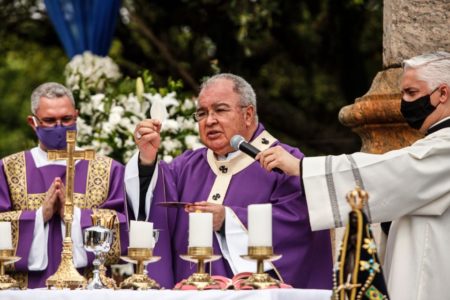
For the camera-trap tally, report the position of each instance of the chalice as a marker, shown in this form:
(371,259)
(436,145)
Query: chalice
(97,239)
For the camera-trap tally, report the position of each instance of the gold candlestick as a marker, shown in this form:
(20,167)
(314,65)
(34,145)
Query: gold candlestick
(261,280)
(67,275)
(7,257)
(200,256)
(140,281)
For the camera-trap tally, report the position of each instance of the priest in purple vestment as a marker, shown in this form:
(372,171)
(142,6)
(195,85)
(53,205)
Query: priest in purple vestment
(32,192)
(223,181)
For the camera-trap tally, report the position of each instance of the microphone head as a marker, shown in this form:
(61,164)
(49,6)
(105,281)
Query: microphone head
(236,140)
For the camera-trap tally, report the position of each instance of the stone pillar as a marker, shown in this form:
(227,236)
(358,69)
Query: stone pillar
(410,28)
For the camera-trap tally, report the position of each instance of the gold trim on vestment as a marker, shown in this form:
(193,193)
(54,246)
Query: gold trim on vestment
(15,170)
(13,217)
(97,185)
(97,190)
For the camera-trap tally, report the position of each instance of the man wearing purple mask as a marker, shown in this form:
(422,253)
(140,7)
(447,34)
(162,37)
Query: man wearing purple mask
(32,192)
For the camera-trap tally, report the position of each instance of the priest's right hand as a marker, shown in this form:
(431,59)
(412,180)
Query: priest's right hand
(147,138)
(52,198)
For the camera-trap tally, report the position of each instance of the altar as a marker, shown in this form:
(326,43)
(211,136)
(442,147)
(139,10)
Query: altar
(268,294)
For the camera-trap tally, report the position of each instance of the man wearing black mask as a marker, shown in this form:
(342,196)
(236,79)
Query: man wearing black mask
(409,186)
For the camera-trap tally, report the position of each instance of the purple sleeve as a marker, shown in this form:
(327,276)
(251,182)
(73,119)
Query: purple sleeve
(22,223)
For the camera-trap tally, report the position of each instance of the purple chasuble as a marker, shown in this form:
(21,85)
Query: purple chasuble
(92,187)
(163,219)
(307,257)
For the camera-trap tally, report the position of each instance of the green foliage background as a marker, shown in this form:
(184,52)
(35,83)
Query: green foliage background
(305,58)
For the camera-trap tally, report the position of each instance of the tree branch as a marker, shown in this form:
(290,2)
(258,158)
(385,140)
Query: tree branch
(163,49)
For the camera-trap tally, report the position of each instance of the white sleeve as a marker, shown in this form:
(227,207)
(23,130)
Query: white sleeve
(79,254)
(235,243)
(132,185)
(398,183)
(38,258)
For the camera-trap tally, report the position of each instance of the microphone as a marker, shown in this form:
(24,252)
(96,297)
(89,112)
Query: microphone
(239,143)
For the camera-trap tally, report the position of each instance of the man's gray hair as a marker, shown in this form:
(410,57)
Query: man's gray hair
(241,87)
(49,90)
(433,68)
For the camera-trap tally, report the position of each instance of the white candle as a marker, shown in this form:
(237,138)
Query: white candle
(260,225)
(141,234)
(200,229)
(5,236)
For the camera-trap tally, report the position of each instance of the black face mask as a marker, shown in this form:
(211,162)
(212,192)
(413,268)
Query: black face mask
(415,112)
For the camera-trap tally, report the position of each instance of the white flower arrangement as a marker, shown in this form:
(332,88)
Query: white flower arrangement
(111,107)
(90,73)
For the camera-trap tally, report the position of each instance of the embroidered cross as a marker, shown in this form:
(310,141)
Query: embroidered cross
(264,141)
(216,197)
(223,169)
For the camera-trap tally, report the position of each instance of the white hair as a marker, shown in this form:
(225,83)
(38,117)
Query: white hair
(433,68)
(245,91)
(50,90)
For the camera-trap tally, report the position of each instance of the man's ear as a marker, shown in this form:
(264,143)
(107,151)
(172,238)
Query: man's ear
(249,115)
(444,93)
(31,120)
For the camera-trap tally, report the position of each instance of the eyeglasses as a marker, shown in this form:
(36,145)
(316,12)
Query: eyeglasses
(218,112)
(52,122)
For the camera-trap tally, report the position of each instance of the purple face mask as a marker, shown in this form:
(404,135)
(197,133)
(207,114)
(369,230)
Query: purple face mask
(54,138)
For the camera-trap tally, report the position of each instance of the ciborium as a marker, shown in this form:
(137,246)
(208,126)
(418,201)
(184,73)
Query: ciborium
(7,257)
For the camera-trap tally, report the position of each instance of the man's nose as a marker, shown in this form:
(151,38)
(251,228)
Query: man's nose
(211,117)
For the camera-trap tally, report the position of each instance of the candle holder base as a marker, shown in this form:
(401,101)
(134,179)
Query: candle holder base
(198,280)
(261,280)
(140,281)
(7,257)
(66,275)
(199,255)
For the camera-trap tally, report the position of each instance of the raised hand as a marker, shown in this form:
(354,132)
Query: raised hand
(147,138)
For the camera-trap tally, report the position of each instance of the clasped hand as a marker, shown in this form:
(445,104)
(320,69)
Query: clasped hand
(54,200)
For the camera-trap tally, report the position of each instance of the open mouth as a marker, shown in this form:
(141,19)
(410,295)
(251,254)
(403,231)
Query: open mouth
(213,134)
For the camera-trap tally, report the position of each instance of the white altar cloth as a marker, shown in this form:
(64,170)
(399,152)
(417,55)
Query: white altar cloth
(272,294)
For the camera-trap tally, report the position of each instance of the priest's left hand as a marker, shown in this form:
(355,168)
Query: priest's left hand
(217,210)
